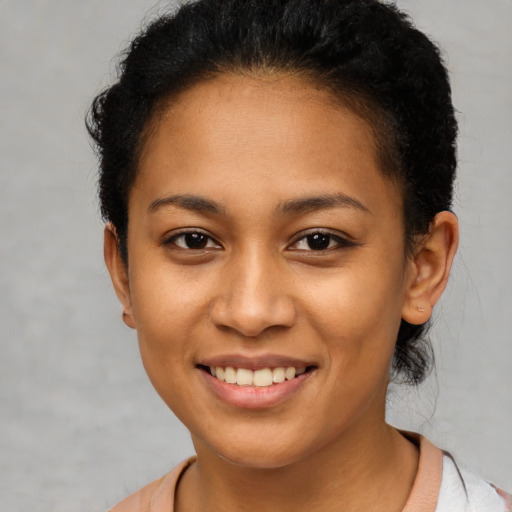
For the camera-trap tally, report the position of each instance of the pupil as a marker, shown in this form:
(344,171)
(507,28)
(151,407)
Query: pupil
(318,241)
(196,240)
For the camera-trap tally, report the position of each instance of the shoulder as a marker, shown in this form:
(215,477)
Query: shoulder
(462,490)
(139,501)
(158,496)
(442,486)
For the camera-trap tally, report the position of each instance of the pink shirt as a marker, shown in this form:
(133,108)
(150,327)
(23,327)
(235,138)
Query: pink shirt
(439,487)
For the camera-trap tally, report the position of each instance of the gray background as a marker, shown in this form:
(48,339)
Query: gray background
(80,425)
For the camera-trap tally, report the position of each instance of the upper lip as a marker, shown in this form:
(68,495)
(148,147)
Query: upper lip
(255,362)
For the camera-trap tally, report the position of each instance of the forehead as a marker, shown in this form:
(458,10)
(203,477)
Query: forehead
(253,104)
(257,132)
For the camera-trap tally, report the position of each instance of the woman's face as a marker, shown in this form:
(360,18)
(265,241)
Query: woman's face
(264,238)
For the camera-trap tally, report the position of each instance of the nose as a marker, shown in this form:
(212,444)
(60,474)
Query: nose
(253,297)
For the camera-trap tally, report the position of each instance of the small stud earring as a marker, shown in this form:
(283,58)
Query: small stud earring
(420,309)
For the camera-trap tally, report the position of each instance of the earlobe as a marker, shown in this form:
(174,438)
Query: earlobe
(118,273)
(430,267)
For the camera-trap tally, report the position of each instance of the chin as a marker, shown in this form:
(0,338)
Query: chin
(259,450)
(258,459)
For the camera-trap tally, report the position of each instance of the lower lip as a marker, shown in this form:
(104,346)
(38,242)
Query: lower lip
(253,397)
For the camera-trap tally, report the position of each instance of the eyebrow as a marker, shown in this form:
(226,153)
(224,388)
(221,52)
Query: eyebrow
(188,202)
(295,206)
(313,203)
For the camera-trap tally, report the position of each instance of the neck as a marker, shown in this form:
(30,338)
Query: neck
(359,471)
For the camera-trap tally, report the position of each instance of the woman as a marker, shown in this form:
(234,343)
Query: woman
(277,179)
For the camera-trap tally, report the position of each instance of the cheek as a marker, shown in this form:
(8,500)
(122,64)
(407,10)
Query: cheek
(168,310)
(167,318)
(357,321)
(163,295)
(358,314)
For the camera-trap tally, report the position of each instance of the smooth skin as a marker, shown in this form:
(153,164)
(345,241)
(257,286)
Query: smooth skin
(239,179)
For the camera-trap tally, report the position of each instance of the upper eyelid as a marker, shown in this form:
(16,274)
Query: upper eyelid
(342,242)
(327,232)
(167,238)
(184,231)
(339,236)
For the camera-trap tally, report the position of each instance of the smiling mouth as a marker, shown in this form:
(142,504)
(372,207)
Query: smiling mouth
(264,377)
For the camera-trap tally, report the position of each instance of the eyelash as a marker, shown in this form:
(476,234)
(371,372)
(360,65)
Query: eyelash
(172,240)
(340,242)
(307,238)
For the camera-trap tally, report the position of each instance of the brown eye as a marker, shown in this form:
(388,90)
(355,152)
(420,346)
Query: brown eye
(321,241)
(193,240)
(318,241)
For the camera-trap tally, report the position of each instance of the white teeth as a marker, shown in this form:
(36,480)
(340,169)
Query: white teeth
(219,372)
(278,375)
(260,378)
(230,375)
(244,377)
(290,373)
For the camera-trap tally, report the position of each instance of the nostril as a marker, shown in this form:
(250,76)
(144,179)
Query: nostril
(252,315)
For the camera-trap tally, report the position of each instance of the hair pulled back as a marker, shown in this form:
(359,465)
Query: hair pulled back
(367,53)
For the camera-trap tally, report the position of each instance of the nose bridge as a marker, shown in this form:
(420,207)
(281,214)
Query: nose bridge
(253,295)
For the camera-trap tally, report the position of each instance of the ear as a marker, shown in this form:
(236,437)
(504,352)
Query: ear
(118,273)
(429,269)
